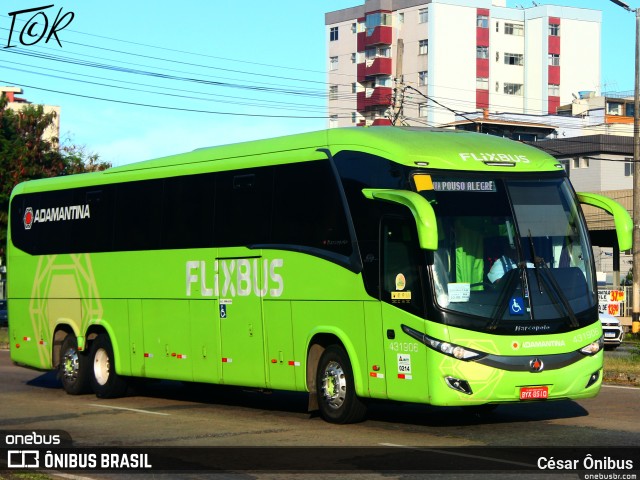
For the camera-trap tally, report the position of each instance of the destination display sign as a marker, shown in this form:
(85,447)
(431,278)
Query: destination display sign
(456,185)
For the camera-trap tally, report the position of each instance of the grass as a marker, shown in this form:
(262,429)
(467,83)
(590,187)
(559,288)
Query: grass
(624,370)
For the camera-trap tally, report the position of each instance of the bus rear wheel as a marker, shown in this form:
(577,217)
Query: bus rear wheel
(74,369)
(337,397)
(105,381)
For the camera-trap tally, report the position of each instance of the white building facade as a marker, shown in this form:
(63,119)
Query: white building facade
(418,61)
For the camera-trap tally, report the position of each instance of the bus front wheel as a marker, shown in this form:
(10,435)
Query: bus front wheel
(337,397)
(74,368)
(105,381)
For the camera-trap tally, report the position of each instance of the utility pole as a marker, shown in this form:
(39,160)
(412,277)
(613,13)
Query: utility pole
(398,88)
(635,249)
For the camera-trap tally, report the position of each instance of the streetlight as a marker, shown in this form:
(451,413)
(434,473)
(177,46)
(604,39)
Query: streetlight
(635,249)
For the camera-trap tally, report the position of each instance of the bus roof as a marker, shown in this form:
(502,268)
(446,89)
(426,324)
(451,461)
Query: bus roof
(412,146)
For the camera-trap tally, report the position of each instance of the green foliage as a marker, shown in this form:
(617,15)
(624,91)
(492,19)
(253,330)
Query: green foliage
(26,153)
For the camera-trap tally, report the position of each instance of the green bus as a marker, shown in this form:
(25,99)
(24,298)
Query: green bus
(418,265)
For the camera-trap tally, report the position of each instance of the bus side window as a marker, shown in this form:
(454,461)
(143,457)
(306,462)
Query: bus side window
(401,260)
(243,207)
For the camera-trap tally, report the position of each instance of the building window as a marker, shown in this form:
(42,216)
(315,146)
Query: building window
(482,21)
(423,15)
(422,78)
(354,87)
(354,27)
(482,83)
(575,162)
(333,92)
(354,58)
(400,17)
(333,34)
(374,20)
(497,27)
(333,63)
(513,88)
(354,117)
(382,81)
(614,108)
(423,47)
(628,167)
(482,52)
(514,59)
(514,29)
(422,109)
(554,59)
(554,29)
(333,121)
(554,90)
(579,162)
(375,52)
(628,109)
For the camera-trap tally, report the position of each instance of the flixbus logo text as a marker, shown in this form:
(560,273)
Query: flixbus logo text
(493,157)
(235,278)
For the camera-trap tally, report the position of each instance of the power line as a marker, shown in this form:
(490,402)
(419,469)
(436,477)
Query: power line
(164,107)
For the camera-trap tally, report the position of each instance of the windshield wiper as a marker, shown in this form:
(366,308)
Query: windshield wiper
(501,304)
(536,262)
(573,320)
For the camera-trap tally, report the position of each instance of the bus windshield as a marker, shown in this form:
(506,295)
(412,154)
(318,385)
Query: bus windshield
(510,250)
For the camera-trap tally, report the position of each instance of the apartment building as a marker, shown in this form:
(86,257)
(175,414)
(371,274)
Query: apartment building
(419,61)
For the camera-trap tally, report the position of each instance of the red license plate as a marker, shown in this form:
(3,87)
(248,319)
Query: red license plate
(534,393)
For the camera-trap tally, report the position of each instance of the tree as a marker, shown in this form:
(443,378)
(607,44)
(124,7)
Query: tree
(27,154)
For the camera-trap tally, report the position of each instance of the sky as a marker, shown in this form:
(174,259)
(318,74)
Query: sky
(140,79)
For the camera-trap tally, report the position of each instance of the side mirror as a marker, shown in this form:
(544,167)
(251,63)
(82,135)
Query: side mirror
(621,218)
(420,208)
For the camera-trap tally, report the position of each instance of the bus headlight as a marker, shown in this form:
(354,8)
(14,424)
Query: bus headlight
(593,347)
(446,348)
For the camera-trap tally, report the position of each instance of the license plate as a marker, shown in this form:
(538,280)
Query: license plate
(534,393)
(609,334)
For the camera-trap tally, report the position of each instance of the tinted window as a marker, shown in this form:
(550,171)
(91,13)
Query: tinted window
(296,205)
(308,209)
(138,215)
(188,211)
(243,207)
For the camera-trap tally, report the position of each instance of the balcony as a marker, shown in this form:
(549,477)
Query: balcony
(375,66)
(554,74)
(382,34)
(374,97)
(375,121)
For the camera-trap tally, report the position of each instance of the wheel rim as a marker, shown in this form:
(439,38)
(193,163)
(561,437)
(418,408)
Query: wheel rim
(70,365)
(334,385)
(101,366)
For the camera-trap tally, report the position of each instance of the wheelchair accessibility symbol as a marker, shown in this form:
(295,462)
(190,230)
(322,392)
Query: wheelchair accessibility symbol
(516,306)
(223,311)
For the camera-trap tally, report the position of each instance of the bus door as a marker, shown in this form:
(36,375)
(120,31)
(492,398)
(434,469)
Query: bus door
(402,278)
(240,312)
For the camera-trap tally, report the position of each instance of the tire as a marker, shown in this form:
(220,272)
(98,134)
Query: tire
(105,381)
(74,369)
(336,391)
